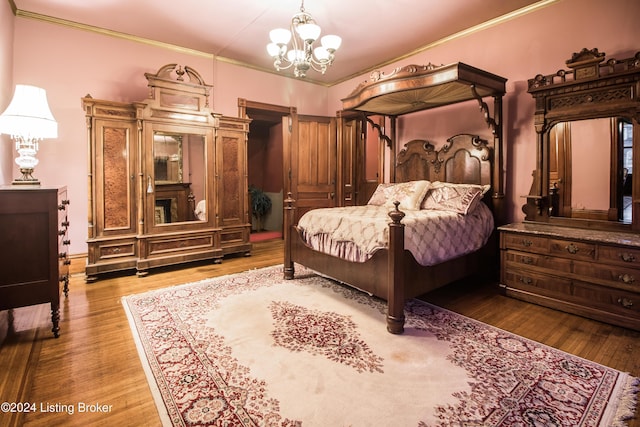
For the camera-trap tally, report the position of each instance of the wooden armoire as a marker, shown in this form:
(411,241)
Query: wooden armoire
(167,178)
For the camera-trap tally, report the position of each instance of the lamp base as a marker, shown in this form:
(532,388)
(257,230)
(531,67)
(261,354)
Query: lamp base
(26,178)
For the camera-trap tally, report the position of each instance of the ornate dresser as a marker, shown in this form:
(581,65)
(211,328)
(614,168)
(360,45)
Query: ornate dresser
(581,271)
(578,249)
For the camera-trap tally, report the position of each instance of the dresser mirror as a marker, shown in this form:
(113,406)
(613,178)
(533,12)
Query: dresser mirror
(586,121)
(179,184)
(591,169)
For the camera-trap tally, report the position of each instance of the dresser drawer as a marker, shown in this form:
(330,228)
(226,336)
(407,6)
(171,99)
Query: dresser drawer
(627,257)
(525,242)
(609,275)
(102,251)
(524,260)
(537,283)
(571,249)
(162,245)
(612,300)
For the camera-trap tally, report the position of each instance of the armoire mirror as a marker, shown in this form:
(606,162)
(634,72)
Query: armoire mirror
(587,125)
(591,169)
(179,177)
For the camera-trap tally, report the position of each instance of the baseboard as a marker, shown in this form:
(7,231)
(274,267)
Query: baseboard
(78,264)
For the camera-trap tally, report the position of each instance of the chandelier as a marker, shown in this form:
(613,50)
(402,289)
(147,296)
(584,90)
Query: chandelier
(302,55)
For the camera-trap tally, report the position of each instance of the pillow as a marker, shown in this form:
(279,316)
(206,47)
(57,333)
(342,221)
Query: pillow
(201,210)
(379,197)
(409,194)
(460,198)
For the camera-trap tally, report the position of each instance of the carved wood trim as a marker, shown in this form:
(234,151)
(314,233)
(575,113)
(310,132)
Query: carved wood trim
(592,87)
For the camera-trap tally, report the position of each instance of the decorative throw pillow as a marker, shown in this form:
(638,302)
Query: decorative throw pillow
(460,198)
(379,197)
(409,194)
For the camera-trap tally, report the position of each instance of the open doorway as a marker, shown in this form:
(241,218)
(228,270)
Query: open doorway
(265,168)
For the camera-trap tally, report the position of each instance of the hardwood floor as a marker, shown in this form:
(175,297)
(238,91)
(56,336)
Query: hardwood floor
(95,359)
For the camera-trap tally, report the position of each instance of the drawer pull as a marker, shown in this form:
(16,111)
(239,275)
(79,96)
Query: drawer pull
(527,260)
(526,242)
(62,255)
(625,302)
(572,249)
(626,278)
(66,242)
(627,257)
(526,280)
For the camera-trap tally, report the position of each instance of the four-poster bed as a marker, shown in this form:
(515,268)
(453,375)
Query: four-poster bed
(388,268)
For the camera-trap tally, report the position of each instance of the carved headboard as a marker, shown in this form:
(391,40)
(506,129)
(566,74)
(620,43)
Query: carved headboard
(464,158)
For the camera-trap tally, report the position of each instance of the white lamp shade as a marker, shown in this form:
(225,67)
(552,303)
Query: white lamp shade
(308,32)
(28,115)
(280,36)
(321,53)
(273,49)
(331,42)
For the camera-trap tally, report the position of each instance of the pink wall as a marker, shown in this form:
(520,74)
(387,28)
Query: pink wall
(71,63)
(6,87)
(537,43)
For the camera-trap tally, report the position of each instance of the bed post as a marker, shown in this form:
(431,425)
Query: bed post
(395,291)
(289,213)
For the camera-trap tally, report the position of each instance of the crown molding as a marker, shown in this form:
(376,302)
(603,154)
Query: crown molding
(98,30)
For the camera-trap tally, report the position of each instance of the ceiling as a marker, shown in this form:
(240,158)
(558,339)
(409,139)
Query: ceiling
(374,32)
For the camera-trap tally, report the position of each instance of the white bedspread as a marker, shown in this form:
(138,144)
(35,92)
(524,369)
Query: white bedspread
(432,236)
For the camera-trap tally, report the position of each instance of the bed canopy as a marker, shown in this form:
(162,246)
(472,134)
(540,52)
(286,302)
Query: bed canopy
(414,88)
(420,87)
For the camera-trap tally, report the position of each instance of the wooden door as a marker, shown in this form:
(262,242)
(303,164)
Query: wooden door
(349,139)
(312,147)
(231,166)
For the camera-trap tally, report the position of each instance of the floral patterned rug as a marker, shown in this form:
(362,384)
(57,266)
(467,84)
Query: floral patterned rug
(253,349)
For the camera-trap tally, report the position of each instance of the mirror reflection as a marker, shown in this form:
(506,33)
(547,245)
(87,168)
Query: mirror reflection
(591,169)
(179,177)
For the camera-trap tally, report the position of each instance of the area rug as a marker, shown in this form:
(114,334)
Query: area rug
(253,349)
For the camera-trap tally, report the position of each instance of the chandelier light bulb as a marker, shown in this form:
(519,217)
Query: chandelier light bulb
(321,53)
(331,42)
(295,55)
(273,49)
(308,32)
(280,36)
